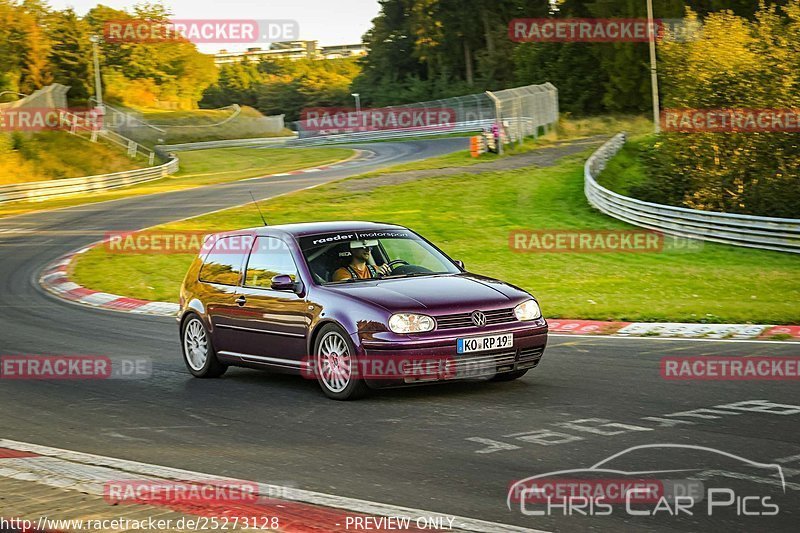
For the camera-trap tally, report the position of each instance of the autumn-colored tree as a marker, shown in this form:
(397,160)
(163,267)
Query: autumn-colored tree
(732,63)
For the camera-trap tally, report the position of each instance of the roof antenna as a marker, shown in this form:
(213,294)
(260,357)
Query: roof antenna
(259,209)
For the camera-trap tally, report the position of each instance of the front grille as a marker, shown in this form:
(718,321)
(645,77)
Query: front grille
(530,357)
(464,320)
(529,354)
(492,359)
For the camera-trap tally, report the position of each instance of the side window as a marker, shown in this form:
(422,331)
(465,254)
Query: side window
(223,264)
(270,257)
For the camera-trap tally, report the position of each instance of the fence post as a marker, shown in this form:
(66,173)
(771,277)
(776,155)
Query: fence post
(498,117)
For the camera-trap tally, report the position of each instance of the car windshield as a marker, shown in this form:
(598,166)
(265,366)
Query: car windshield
(352,256)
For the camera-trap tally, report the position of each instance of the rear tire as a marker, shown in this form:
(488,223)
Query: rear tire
(510,376)
(198,351)
(335,365)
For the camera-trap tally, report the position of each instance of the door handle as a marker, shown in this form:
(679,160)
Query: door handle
(241,300)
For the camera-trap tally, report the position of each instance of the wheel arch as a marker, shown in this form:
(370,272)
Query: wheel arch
(312,337)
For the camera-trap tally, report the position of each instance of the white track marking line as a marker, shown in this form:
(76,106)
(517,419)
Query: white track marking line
(91,462)
(354,158)
(796,343)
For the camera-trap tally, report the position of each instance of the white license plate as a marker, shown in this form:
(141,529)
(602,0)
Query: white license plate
(483,344)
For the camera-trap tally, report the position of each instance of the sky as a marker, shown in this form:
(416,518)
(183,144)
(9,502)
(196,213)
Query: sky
(327,21)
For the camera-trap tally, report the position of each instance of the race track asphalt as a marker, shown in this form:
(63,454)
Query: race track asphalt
(454,448)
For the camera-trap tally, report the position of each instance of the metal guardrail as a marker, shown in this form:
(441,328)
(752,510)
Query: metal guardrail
(227,143)
(780,234)
(43,190)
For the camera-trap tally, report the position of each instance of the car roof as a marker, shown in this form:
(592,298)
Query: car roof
(313,228)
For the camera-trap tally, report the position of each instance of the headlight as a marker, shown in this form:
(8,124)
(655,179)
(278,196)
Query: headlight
(410,323)
(528,310)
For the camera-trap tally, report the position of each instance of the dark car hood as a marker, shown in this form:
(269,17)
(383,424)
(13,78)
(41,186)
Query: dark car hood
(446,293)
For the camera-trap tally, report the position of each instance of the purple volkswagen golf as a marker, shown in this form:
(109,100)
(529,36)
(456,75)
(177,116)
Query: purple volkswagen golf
(354,305)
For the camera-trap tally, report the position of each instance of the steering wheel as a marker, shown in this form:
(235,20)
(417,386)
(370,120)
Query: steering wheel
(397,262)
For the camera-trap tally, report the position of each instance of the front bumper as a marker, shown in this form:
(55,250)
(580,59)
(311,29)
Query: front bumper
(530,340)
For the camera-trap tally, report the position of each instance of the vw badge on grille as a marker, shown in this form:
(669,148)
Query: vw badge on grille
(478,318)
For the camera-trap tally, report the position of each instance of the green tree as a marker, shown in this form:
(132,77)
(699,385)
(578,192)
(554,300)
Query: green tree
(70,53)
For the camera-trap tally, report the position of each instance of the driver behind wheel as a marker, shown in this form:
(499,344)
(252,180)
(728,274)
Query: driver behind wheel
(361,265)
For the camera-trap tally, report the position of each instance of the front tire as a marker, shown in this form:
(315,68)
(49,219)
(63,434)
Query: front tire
(198,352)
(335,365)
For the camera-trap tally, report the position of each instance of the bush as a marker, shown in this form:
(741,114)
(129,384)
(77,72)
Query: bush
(734,63)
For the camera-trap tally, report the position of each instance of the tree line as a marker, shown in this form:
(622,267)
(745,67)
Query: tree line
(40,45)
(430,49)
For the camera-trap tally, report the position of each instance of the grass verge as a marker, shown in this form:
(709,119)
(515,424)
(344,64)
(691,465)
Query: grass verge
(52,155)
(470,217)
(625,170)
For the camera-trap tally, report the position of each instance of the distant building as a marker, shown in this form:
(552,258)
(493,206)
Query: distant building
(291,50)
(344,50)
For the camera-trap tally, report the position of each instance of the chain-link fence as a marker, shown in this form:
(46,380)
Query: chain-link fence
(525,111)
(231,122)
(518,112)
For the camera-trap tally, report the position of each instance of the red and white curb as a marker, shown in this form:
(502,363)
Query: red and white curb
(55,280)
(672,329)
(297,510)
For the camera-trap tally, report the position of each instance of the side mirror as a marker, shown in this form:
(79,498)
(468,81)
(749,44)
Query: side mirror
(282,282)
(460,264)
